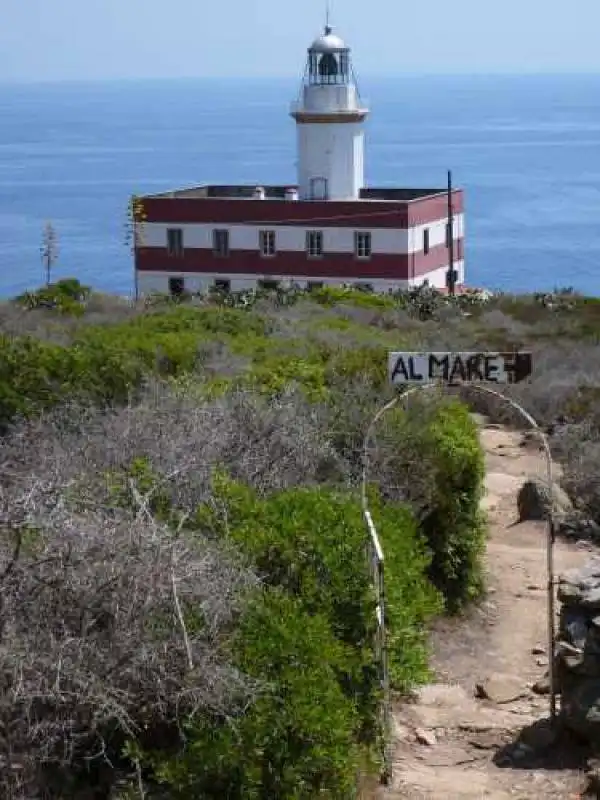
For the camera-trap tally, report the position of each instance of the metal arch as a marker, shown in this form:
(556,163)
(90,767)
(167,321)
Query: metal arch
(550,532)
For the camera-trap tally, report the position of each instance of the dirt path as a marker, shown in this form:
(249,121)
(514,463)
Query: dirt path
(450,745)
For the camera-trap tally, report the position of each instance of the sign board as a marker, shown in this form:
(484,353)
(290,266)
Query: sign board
(454,368)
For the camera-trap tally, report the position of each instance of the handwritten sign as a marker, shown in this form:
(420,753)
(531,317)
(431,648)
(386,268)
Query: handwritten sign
(453,368)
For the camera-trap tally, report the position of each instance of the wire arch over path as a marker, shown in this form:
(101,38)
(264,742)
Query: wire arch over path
(400,398)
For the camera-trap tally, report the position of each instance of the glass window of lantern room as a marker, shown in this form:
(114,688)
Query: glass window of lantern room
(344,65)
(314,67)
(328,68)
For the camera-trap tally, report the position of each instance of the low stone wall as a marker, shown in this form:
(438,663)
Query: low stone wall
(577,661)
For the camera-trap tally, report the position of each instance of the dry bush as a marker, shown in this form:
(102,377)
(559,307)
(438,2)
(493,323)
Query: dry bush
(106,309)
(396,463)
(109,622)
(38,322)
(268,444)
(578,449)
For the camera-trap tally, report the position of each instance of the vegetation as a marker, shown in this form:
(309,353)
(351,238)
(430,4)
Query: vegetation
(187,609)
(49,250)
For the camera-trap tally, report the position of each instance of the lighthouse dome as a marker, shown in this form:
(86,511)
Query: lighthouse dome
(328,42)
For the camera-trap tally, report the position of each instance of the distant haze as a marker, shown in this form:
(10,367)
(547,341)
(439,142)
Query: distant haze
(105,39)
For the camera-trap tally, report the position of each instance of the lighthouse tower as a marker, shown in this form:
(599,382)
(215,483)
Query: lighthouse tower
(329,121)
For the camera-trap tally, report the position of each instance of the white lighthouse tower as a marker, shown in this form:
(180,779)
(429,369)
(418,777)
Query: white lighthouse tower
(329,121)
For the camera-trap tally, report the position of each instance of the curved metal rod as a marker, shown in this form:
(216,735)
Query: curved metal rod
(550,533)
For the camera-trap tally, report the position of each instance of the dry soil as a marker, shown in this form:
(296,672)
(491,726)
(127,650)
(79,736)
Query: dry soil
(450,744)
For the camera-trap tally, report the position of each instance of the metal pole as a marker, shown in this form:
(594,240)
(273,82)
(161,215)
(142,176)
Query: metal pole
(451,281)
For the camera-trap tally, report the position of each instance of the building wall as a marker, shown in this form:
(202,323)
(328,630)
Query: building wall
(397,230)
(327,98)
(158,281)
(342,214)
(291,238)
(334,151)
(386,266)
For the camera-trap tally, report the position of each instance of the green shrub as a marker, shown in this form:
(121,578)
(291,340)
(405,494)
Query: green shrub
(274,374)
(366,362)
(105,362)
(296,741)
(410,599)
(311,542)
(330,296)
(66,296)
(455,526)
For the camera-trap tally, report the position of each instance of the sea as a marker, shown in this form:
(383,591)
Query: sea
(526,149)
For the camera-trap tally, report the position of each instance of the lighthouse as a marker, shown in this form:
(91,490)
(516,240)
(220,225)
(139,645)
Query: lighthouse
(330,124)
(326,229)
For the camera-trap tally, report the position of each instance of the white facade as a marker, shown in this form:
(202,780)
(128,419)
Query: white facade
(158,282)
(330,160)
(292,238)
(330,125)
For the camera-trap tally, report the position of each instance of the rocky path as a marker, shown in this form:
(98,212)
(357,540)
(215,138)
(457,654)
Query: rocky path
(481,731)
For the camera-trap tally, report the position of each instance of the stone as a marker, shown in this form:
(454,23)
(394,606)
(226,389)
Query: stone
(540,736)
(425,737)
(500,689)
(542,686)
(574,525)
(581,709)
(584,596)
(538,650)
(536,499)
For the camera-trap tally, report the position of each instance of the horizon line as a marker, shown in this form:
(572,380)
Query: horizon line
(285,78)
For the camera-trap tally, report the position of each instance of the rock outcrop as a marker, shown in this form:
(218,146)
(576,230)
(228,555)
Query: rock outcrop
(577,662)
(536,499)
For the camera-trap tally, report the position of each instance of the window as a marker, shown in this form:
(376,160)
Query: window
(362,245)
(426,241)
(223,286)
(221,243)
(314,243)
(363,287)
(266,242)
(312,286)
(176,287)
(175,242)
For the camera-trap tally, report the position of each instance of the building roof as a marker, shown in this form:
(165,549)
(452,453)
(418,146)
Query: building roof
(328,42)
(246,192)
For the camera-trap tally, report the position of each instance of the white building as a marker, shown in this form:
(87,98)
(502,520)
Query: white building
(327,228)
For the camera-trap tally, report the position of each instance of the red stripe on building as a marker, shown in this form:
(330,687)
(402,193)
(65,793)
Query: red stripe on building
(356,214)
(430,209)
(297,263)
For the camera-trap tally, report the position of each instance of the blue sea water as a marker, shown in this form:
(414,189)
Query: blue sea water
(525,148)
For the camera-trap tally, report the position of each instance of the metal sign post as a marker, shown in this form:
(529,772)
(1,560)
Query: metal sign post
(419,371)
